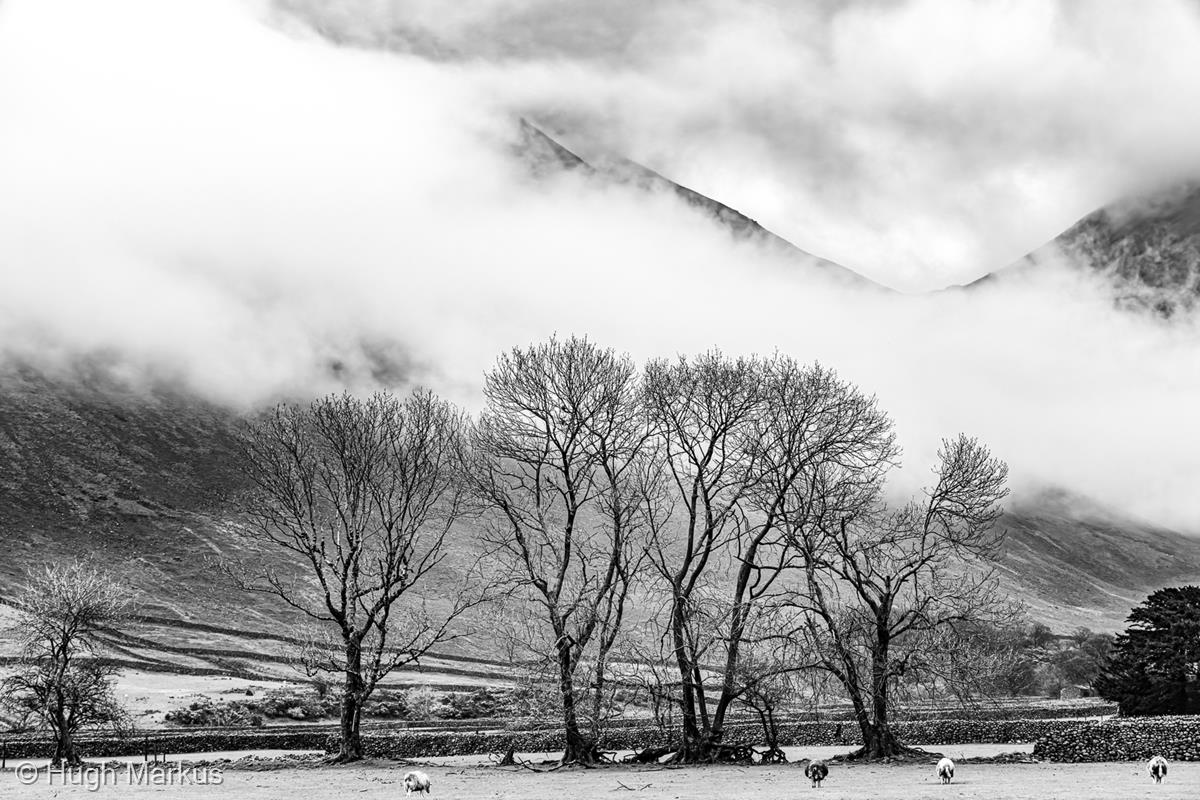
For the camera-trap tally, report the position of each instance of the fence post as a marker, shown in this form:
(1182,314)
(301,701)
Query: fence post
(145,748)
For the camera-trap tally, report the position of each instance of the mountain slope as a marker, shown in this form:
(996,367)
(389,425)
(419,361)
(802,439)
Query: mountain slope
(1077,563)
(545,156)
(1147,248)
(144,481)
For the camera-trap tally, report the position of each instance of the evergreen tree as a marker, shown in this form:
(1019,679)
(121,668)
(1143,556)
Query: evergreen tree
(1154,666)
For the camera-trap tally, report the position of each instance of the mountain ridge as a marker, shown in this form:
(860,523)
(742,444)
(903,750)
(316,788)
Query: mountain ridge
(545,155)
(1145,247)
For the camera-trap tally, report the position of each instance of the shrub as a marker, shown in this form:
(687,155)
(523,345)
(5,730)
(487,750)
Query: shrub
(420,701)
(482,702)
(204,713)
(387,705)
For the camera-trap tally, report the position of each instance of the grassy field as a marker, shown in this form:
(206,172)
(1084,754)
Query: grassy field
(464,782)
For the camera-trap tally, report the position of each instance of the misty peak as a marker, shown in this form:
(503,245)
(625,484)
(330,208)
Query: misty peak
(544,156)
(1146,247)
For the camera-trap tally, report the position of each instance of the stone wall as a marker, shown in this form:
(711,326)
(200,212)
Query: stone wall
(1132,739)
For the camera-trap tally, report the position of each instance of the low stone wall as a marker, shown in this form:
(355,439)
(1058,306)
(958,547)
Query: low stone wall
(165,743)
(797,734)
(1132,739)
(1069,740)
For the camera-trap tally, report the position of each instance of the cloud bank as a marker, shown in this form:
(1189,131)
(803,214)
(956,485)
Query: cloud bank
(919,142)
(268,200)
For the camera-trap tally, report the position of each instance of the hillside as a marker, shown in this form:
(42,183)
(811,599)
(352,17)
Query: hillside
(1146,247)
(144,480)
(545,156)
(1077,563)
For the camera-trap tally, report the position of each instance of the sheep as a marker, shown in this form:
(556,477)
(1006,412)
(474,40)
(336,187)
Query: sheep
(416,781)
(945,770)
(1158,768)
(816,772)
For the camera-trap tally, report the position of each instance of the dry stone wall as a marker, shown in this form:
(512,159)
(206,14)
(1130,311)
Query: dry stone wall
(1132,739)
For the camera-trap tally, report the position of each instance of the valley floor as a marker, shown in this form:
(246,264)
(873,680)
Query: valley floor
(372,781)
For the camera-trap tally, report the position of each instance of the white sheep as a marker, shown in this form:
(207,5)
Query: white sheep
(945,770)
(1158,768)
(816,772)
(416,781)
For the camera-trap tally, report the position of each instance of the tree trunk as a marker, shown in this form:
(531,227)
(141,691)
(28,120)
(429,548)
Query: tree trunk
(737,628)
(693,740)
(351,746)
(878,739)
(770,726)
(65,753)
(598,712)
(580,749)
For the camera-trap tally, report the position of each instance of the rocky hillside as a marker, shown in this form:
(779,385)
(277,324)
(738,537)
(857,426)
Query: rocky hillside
(1147,248)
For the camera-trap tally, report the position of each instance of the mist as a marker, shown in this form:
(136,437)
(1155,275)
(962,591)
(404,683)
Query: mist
(262,201)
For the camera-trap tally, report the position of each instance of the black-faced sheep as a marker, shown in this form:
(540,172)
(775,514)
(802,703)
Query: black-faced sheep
(816,772)
(945,770)
(1158,768)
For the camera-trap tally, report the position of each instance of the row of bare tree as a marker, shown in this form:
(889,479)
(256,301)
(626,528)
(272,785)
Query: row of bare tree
(738,503)
(720,524)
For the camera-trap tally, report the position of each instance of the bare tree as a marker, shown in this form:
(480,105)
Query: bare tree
(363,494)
(60,678)
(886,590)
(610,628)
(557,467)
(703,412)
(752,447)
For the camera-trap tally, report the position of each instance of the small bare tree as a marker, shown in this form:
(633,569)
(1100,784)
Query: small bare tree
(557,454)
(886,589)
(363,495)
(60,680)
(770,675)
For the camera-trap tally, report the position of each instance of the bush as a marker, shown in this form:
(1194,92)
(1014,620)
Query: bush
(281,704)
(387,705)
(471,705)
(204,713)
(421,702)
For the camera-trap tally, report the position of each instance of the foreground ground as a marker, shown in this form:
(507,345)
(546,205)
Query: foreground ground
(465,781)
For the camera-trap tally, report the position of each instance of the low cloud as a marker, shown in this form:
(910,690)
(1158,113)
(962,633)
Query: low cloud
(261,201)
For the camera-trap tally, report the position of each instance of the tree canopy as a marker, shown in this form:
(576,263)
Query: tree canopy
(1154,666)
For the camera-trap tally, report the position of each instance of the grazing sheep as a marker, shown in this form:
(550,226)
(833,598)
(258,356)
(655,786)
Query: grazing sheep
(416,781)
(1158,768)
(945,770)
(816,772)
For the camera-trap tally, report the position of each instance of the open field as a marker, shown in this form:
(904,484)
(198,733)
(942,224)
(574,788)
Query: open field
(878,782)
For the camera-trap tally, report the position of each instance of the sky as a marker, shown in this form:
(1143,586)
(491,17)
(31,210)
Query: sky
(263,200)
(922,142)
